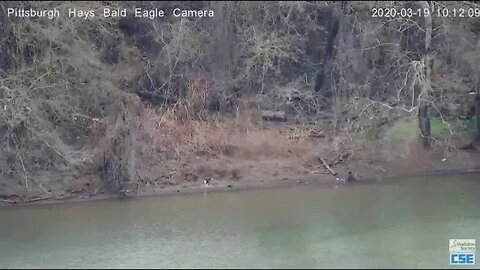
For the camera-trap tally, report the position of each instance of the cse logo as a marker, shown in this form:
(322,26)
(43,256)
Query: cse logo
(462,258)
(462,251)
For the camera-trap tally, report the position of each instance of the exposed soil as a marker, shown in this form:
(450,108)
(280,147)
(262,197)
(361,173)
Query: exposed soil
(125,107)
(268,164)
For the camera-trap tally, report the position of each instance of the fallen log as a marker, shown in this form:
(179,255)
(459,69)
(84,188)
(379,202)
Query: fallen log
(275,116)
(39,199)
(8,201)
(30,200)
(328,167)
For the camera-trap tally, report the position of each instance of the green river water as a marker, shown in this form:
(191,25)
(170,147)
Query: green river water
(404,223)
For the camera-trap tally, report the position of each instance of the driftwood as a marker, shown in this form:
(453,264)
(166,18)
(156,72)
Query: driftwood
(7,201)
(27,200)
(40,199)
(275,116)
(328,167)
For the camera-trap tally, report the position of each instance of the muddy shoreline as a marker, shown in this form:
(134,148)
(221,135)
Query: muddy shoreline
(317,181)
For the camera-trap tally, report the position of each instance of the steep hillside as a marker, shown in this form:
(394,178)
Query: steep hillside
(113,104)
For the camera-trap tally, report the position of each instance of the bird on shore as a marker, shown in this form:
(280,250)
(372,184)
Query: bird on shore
(351,178)
(206,181)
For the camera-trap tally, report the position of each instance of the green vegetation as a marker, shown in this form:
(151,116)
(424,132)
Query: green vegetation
(408,129)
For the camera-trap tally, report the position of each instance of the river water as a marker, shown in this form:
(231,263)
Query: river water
(404,223)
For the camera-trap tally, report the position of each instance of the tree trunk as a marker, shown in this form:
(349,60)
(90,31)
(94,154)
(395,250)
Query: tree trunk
(423,117)
(323,79)
(424,124)
(477,112)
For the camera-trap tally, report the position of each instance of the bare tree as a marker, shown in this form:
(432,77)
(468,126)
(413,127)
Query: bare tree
(477,111)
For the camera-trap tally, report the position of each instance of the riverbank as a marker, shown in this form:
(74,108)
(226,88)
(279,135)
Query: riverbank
(269,157)
(317,181)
